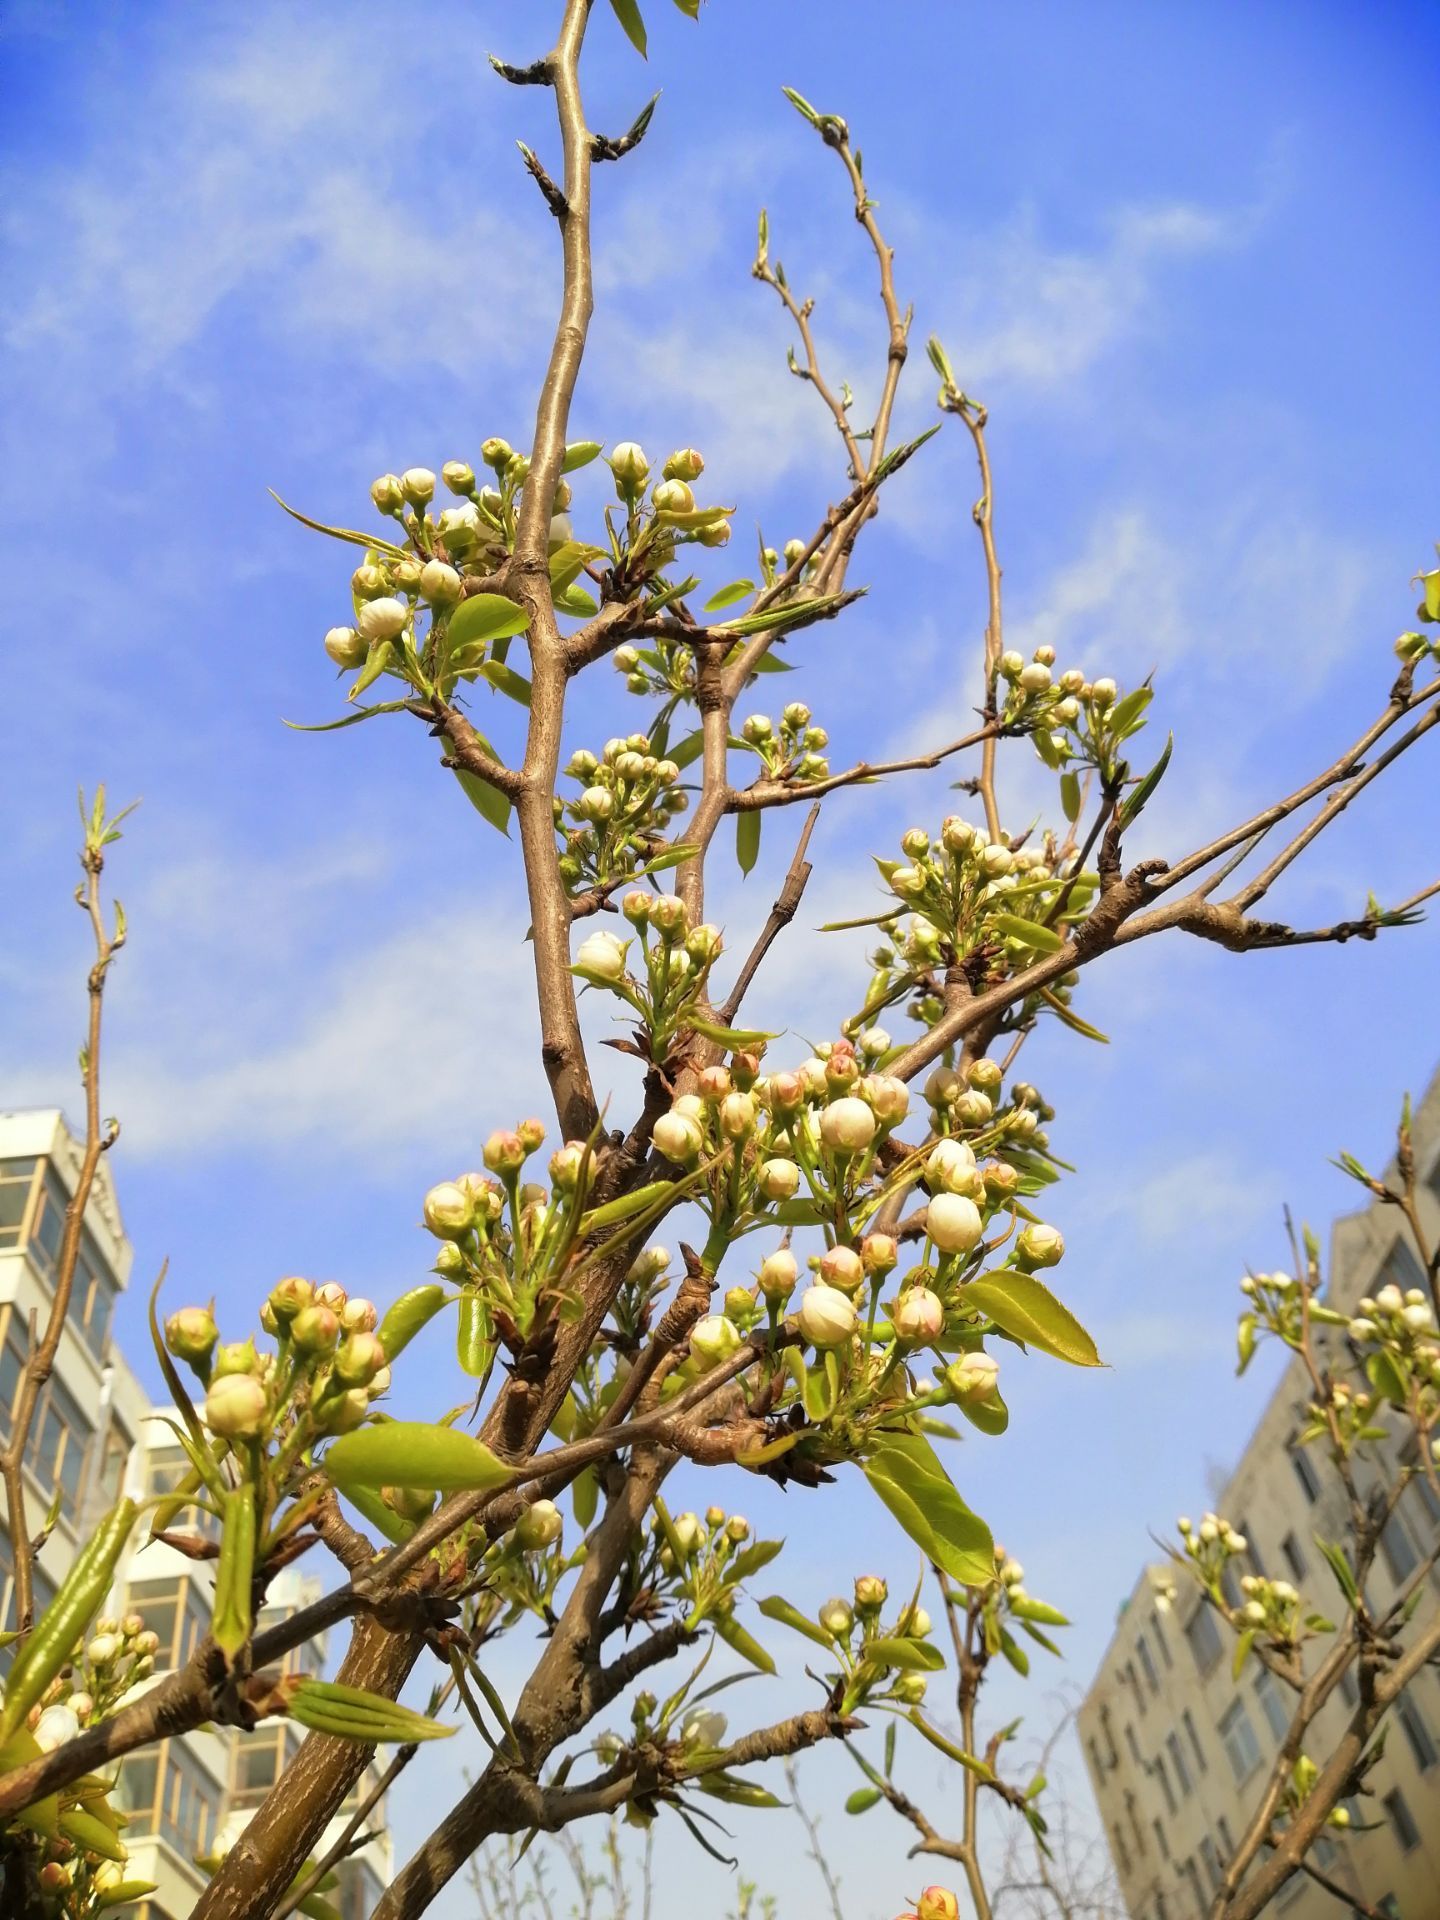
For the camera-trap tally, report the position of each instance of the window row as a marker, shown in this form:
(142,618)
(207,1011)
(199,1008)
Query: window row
(32,1216)
(166,1792)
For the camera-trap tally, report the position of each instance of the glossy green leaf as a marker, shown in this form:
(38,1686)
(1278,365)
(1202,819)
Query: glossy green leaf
(1037,1612)
(1386,1378)
(790,613)
(1125,714)
(1133,802)
(727,596)
(585,1497)
(747,838)
(488,801)
(404,1319)
(1025,1307)
(576,602)
(777,1609)
(484,617)
(1027,933)
(687,751)
(412,1453)
(743,1643)
(726,1036)
(910,1656)
(579,454)
(628,14)
(347,534)
(1070,796)
(1242,1652)
(907,1475)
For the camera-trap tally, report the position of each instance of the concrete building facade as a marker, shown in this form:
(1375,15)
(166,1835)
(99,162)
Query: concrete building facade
(94,1437)
(1178,1750)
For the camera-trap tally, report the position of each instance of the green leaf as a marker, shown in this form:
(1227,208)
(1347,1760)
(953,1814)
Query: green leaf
(353,1714)
(579,454)
(727,596)
(1136,798)
(488,801)
(737,1793)
(484,617)
(1027,933)
(379,658)
(777,1609)
(568,560)
(615,1211)
(1339,1564)
(752,1559)
(911,1656)
(628,14)
(585,1497)
(1070,796)
(349,720)
(576,601)
(412,1453)
(1068,1017)
(688,750)
(726,1036)
(1386,1378)
(505,680)
(1125,714)
(979,1768)
(674,856)
(337,533)
(1242,1652)
(991,1416)
(743,1643)
(1038,1612)
(863,1799)
(747,838)
(1025,1307)
(907,1475)
(1014,1653)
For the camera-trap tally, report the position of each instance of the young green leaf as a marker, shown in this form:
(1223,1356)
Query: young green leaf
(484,617)
(907,1475)
(488,801)
(747,838)
(628,14)
(727,596)
(1023,1306)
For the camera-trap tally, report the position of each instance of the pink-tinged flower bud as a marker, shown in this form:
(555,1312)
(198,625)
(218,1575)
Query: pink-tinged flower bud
(316,1330)
(878,1254)
(1000,1178)
(847,1126)
(714,1340)
(1040,1246)
(601,957)
(383,619)
(953,1223)
(871,1593)
(679,1138)
(346,647)
(785,1092)
(919,1315)
(668,916)
(630,468)
(449,1211)
(348,1412)
(686,463)
(827,1316)
(191,1334)
(504,1152)
(331,1295)
(837,1618)
(132,1624)
(778,1273)
(532,1135)
(1102,692)
(973,1109)
(951,1166)
(973,1377)
(888,1098)
(565,1165)
(291,1296)
(440,584)
(812,1077)
(359,1316)
(842,1267)
(737,1116)
(842,1070)
(937,1903)
(53,1876)
(778,1179)
(713,1083)
(237,1356)
(358,1360)
(418,485)
(672,496)
(102,1649)
(539,1526)
(235,1406)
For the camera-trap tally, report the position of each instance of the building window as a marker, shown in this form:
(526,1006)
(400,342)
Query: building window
(1164,1780)
(1227,1845)
(1212,1862)
(17,1179)
(1134,1816)
(1132,1680)
(1160,1841)
(1097,1765)
(1406,1831)
(1252,1552)
(166,1469)
(259,1760)
(176,1613)
(1204,1638)
(1194,1738)
(360,1890)
(1177,1762)
(1407,1711)
(1267,1692)
(1133,1744)
(1147,1662)
(1401,1556)
(1294,1558)
(1402,1269)
(1122,1852)
(1161,1639)
(1237,1735)
(1190,1874)
(166,1792)
(43,1587)
(13,1355)
(59,1440)
(1305,1473)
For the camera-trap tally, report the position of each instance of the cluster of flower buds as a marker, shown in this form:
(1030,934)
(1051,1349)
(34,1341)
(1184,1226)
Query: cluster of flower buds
(118,1655)
(665,668)
(878,1661)
(1037,694)
(673,516)
(1413,647)
(1271,1608)
(1405,1319)
(77,1883)
(773,564)
(676,958)
(616,822)
(1282,1304)
(327,1368)
(795,750)
(1210,1548)
(705,1561)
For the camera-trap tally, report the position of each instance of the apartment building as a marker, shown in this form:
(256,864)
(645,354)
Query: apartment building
(1178,1750)
(92,1438)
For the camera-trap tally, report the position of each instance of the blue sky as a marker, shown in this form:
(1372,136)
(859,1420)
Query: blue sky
(1184,254)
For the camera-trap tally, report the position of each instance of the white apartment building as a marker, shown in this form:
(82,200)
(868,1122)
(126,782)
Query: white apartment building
(91,1440)
(1178,1750)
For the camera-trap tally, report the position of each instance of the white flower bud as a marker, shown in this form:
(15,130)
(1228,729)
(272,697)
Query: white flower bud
(997,859)
(1035,678)
(827,1316)
(1040,1245)
(382,619)
(778,1179)
(679,1138)
(56,1727)
(943,1086)
(973,1376)
(847,1126)
(778,1273)
(1390,1299)
(737,1116)
(630,468)
(714,1340)
(889,1098)
(602,956)
(703,1730)
(919,1315)
(346,647)
(1102,692)
(439,583)
(837,1617)
(235,1406)
(539,1526)
(951,1165)
(448,1210)
(1012,664)
(418,485)
(953,1223)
